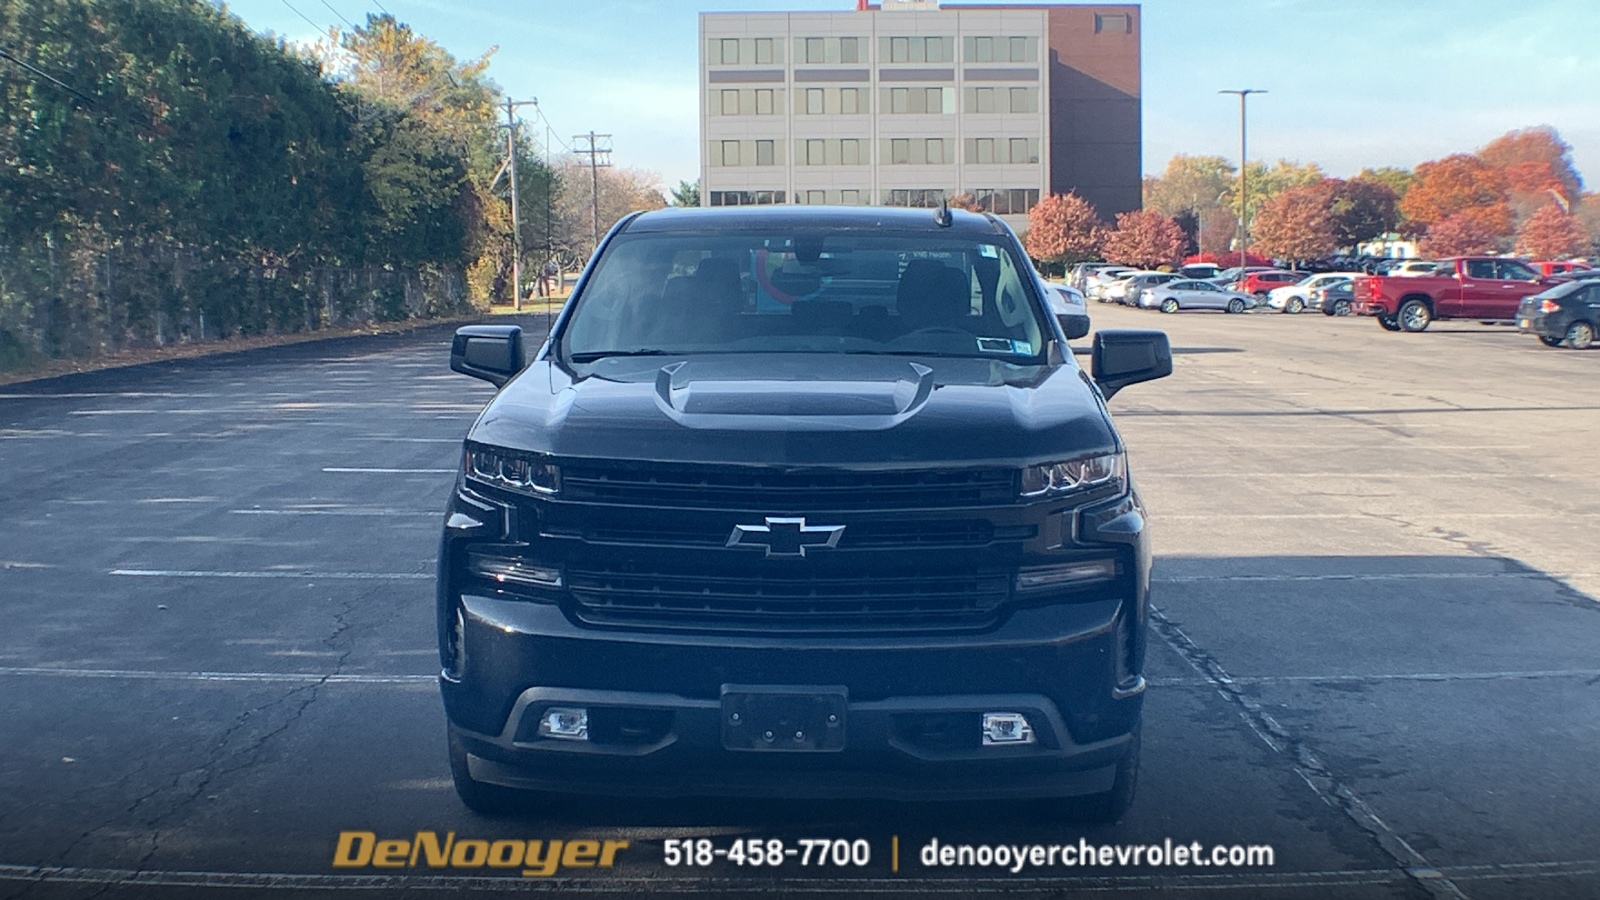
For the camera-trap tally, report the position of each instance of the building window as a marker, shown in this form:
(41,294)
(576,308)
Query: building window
(816,51)
(1004,201)
(900,151)
(984,148)
(935,151)
(983,49)
(933,49)
(980,100)
(746,198)
(816,198)
(850,152)
(730,103)
(899,50)
(730,52)
(899,100)
(933,99)
(1019,49)
(850,197)
(764,51)
(1114,23)
(764,153)
(924,198)
(849,50)
(814,101)
(1022,100)
(816,152)
(849,101)
(730,153)
(1019,151)
(764,101)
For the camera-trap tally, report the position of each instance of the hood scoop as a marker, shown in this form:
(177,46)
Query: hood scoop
(872,387)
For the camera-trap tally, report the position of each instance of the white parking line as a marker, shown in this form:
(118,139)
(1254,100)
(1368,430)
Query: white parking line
(1358,679)
(192,573)
(1359,576)
(365,471)
(255,677)
(430,513)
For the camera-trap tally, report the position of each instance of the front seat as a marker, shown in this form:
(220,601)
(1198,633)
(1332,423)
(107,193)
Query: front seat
(933,295)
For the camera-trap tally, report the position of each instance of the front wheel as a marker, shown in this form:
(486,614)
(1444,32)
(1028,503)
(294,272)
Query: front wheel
(1169,305)
(1580,336)
(1294,305)
(1414,316)
(1340,308)
(1236,305)
(1389,323)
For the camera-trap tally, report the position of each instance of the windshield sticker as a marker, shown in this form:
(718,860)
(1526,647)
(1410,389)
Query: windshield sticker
(1002,345)
(988,251)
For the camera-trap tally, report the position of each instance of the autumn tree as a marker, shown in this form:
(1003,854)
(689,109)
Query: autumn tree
(1361,209)
(1460,185)
(1460,234)
(1551,233)
(1063,229)
(967,201)
(1189,184)
(1266,182)
(1144,238)
(1535,161)
(1296,225)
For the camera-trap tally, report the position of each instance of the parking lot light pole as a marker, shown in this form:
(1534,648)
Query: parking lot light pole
(1244,181)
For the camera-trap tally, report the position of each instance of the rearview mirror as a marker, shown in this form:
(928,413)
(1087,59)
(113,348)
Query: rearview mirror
(1074,326)
(1127,356)
(490,352)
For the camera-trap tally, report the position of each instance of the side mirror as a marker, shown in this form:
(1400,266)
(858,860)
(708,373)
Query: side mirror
(1128,356)
(1073,325)
(490,352)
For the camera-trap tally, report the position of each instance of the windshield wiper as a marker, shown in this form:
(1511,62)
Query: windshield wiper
(593,355)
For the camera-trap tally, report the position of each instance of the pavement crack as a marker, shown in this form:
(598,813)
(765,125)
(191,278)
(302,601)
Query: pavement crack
(1307,764)
(1565,592)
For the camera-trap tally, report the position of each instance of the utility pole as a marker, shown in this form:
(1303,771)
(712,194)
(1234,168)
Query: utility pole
(1244,180)
(599,146)
(516,219)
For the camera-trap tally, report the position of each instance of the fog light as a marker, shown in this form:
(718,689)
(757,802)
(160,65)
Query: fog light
(1033,578)
(569,723)
(1006,728)
(512,571)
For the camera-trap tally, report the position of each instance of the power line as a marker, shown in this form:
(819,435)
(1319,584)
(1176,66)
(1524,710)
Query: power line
(303,16)
(337,13)
(6,55)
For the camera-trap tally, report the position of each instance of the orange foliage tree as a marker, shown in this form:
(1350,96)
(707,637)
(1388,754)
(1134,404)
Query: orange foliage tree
(1063,229)
(1459,185)
(1296,225)
(1145,239)
(1551,233)
(1461,234)
(1535,162)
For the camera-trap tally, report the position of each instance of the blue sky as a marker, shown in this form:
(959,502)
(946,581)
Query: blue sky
(1352,83)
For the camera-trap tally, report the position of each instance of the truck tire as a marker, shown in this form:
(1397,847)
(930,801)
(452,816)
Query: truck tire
(1414,316)
(1580,336)
(1111,806)
(481,798)
(1294,305)
(1389,323)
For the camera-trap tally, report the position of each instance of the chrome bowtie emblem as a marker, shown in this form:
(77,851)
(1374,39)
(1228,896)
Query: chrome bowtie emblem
(785,537)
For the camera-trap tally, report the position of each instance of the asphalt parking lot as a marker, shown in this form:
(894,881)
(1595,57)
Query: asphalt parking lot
(1376,641)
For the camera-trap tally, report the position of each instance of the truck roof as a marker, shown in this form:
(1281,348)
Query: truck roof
(740,218)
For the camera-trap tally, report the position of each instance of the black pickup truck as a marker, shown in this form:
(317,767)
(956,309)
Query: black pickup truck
(799,502)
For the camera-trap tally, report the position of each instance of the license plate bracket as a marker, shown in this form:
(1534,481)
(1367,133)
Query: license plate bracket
(783,718)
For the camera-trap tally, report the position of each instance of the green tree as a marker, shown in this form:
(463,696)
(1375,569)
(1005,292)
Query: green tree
(686,193)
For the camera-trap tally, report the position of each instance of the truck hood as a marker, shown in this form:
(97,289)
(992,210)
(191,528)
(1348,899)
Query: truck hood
(800,410)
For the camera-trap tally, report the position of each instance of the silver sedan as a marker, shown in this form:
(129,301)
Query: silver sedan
(1176,295)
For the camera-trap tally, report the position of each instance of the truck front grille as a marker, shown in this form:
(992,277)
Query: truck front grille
(788,601)
(776,490)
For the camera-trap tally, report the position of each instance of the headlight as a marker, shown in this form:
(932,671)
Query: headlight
(512,470)
(1054,479)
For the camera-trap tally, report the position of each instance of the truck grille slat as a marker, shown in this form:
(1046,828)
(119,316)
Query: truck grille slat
(788,490)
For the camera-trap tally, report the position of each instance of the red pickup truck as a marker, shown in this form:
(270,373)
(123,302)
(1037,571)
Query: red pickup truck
(1483,288)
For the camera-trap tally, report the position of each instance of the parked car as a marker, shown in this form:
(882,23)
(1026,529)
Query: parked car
(1260,284)
(1195,294)
(1096,284)
(1293,298)
(1567,314)
(1563,267)
(1070,308)
(1199,270)
(1128,290)
(1412,268)
(1485,288)
(718,538)
(1333,300)
(1229,276)
(1079,275)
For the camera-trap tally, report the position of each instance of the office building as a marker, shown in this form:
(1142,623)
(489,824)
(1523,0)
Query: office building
(910,101)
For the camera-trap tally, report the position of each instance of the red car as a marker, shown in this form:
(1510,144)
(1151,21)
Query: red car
(1262,283)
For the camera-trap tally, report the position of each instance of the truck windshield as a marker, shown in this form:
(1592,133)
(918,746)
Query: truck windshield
(838,292)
